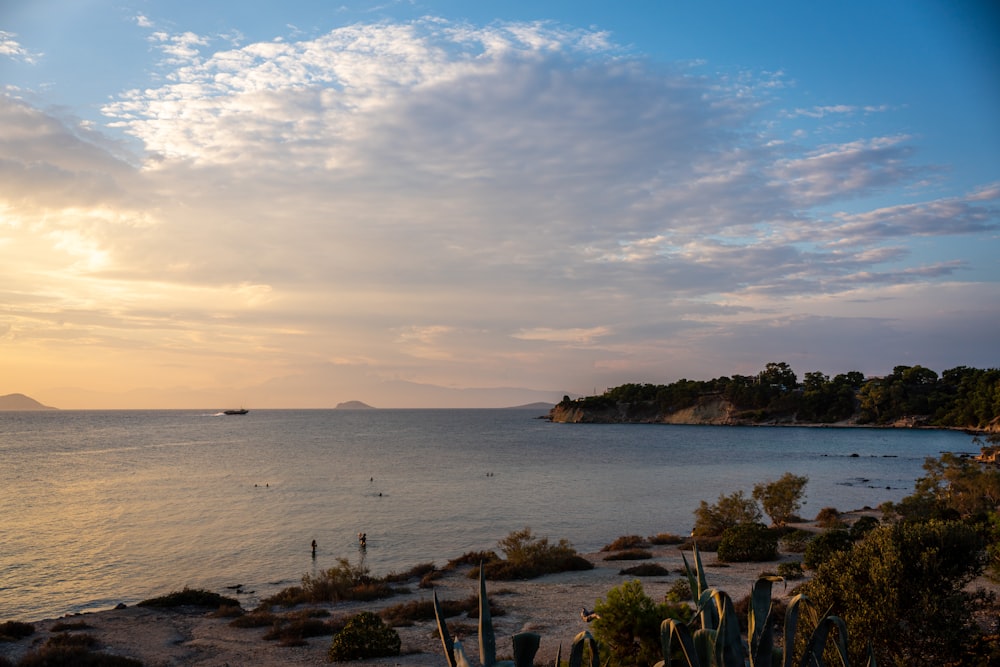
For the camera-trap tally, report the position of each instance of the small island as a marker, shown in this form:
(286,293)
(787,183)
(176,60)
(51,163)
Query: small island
(12,402)
(353,405)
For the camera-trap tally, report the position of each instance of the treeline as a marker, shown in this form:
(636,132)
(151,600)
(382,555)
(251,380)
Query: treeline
(960,397)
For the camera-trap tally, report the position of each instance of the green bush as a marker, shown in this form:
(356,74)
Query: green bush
(862,527)
(365,636)
(824,545)
(661,539)
(790,570)
(796,541)
(904,589)
(679,591)
(628,630)
(748,542)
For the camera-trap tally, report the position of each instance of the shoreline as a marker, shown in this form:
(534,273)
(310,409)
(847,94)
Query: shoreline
(548,605)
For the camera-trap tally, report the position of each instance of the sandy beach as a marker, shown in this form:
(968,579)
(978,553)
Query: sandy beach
(549,606)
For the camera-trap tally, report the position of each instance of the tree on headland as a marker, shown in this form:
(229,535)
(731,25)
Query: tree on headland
(960,397)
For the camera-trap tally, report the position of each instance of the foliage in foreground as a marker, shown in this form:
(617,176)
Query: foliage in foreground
(903,589)
(627,629)
(715,640)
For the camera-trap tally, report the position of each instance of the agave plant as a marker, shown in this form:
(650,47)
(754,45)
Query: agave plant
(717,642)
(525,643)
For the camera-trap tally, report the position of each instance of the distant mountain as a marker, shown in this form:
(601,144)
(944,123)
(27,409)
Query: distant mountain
(353,405)
(21,402)
(540,405)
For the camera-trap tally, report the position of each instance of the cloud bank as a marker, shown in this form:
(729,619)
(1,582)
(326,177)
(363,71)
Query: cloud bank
(517,205)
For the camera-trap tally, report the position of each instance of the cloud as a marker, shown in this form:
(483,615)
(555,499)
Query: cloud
(11,48)
(441,203)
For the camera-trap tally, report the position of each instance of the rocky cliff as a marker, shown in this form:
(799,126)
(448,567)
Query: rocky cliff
(708,410)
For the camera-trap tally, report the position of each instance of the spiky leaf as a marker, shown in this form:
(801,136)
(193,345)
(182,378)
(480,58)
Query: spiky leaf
(525,647)
(581,641)
(487,638)
(446,641)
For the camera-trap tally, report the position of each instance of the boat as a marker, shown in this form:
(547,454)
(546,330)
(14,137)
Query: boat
(241,411)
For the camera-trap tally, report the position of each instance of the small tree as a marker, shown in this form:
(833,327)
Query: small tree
(729,511)
(628,627)
(783,498)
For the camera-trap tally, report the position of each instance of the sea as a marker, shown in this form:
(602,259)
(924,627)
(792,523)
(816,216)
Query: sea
(99,508)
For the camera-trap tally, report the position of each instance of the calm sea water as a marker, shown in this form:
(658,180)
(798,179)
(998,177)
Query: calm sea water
(105,507)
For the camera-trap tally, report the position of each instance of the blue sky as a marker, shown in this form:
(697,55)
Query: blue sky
(453,204)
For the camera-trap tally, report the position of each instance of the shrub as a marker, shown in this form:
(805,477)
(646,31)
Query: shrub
(365,636)
(829,517)
(294,631)
(472,558)
(790,569)
(255,619)
(862,527)
(629,554)
(66,627)
(416,572)
(748,542)
(796,541)
(11,631)
(646,570)
(665,538)
(73,656)
(903,588)
(626,542)
(679,591)
(824,546)
(529,556)
(781,499)
(729,511)
(190,597)
(628,630)
(423,610)
(339,583)
(65,639)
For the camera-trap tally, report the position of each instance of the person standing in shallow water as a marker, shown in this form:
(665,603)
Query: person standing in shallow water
(314,549)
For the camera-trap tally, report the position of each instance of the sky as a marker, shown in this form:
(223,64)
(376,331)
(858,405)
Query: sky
(484,204)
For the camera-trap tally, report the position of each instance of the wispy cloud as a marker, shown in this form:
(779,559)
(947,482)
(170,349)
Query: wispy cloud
(11,48)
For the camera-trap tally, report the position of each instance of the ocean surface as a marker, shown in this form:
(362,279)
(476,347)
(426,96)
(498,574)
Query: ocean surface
(102,507)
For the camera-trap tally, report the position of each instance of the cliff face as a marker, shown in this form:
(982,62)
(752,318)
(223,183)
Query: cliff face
(708,410)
